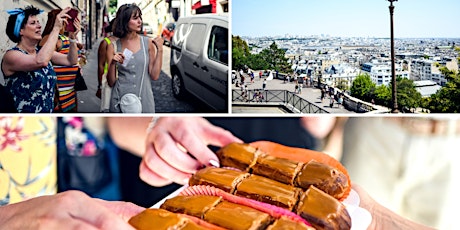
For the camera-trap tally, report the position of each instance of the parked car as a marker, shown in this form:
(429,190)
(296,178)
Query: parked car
(199,59)
(146,28)
(168,32)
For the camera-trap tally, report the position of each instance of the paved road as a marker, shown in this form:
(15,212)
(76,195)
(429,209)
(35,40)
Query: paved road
(164,99)
(313,95)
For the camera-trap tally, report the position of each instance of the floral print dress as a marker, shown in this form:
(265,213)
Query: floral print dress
(28,165)
(33,91)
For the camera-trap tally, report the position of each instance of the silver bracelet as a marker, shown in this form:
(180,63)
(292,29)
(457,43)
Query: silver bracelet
(152,124)
(72,40)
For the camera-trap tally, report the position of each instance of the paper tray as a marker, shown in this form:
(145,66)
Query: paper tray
(360,217)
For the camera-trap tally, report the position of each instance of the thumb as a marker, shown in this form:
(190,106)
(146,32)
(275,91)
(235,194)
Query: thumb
(125,210)
(219,137)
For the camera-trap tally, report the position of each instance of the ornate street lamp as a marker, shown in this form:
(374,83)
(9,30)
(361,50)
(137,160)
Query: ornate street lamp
(393,71)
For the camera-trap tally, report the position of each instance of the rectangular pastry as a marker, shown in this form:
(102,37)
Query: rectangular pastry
(269,191)
(225,179)
(322,210)
(237,217)
(236,155)
(279,169)
(324,177)
(284,223)
(162,220)
(191,205)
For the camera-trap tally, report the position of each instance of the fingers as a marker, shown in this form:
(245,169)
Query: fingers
(196,139)
(62,17)
(125,210)
(72,224)
(167,149)
(151,177)
(177,147)
(155,163)
(218,136)
(119,57)
(77,25)
(158,42)
(319,127)
(92,212)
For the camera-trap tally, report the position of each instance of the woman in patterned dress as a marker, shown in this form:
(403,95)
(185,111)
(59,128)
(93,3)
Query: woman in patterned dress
(67,96)
(29,74)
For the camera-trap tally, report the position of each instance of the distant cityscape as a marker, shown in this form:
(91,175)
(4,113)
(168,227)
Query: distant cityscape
(341,59)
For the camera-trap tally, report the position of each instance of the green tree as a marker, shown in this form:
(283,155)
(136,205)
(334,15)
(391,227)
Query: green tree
(361,87)
(275,58)
(382,95)
(240,53)
(113,7)
(447,99)
(408,97)
(257,62)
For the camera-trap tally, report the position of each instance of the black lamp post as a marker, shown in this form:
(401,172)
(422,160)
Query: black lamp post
(393,71)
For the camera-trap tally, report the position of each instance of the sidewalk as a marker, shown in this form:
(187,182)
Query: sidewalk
(87,100)
(311,94)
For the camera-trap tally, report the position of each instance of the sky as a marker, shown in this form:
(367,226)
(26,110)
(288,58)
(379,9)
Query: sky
(346,18)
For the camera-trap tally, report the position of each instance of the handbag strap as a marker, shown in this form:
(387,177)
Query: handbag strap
(143,70)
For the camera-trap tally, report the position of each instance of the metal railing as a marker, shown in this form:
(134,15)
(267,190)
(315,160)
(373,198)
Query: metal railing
(284,98)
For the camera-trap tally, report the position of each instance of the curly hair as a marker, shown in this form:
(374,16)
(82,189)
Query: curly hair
(28,11)
(124,13)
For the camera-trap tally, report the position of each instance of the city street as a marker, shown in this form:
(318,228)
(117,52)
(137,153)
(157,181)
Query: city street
(311,94)
(165,102)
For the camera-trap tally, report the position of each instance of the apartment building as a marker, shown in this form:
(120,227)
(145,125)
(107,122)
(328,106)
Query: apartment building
(380,71)
(426,69)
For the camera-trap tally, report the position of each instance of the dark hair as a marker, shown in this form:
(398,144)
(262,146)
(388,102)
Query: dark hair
(124,13)
(28,11)
(50,22)
(109,28)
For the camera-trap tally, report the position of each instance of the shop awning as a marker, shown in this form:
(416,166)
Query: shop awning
(205,3)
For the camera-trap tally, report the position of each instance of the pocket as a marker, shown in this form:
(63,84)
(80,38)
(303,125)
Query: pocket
(85,173)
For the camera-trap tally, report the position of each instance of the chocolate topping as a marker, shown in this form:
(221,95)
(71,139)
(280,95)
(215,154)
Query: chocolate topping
(322,210)
(269,191)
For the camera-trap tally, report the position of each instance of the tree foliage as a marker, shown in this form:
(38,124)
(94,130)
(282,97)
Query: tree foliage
(275,58)
(271,57)
(113,7)
(240,53)
(408,97)
(362,86)
(382,96)
(447,99)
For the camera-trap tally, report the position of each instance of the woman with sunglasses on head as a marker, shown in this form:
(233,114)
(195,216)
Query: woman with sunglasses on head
(134,73)
(28,70)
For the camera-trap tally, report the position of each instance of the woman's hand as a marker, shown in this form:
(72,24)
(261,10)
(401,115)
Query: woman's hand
(177,147)
(118,57)
(158,43)
(61,19)
(382,217)
(77,25)
(67,210)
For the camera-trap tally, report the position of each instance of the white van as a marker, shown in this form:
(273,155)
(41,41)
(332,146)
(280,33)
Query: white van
(199,59)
